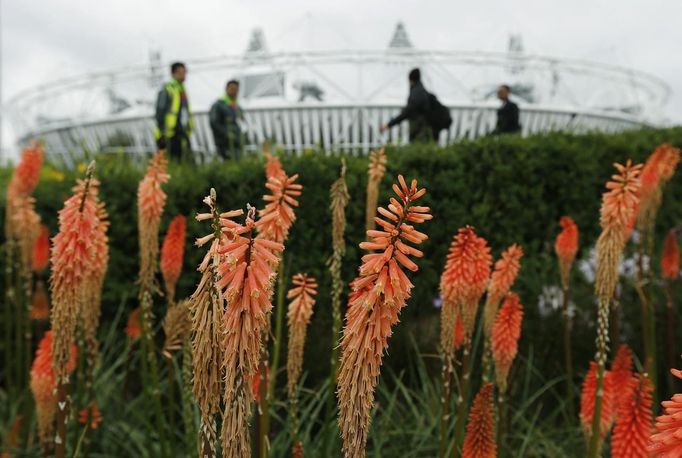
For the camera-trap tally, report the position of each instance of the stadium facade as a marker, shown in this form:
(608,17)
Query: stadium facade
(338,99)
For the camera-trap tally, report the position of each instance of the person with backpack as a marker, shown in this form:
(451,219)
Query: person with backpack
(426,115)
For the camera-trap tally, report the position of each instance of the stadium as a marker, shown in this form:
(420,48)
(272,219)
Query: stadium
(337,100)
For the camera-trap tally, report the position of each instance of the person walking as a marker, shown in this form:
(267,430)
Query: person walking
(224,117)
(173,115)
(416,111)
(507,114)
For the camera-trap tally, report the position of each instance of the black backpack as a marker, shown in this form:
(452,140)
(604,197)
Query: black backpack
(439,115)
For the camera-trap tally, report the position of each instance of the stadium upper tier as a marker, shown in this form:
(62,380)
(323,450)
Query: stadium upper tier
(338,99)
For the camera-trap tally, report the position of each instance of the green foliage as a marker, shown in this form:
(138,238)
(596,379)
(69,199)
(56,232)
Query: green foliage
(512,189)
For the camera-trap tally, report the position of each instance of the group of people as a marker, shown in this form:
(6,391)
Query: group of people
(174,121)
(427,117)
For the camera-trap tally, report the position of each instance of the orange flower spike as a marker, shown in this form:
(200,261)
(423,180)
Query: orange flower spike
(273,166)
(566,247)
(634,423)
(71,258)
(43,384)
(172,254)
(587,401)
(246,278)
(670,258)
(278,215)
(505,337)
(151,198)
(133,327)
(479,441)
(377,296)
(302,297)
(501,281)
(41,250)
(666,441)
(617,208)
(465,278)
(658,169)
(27,173)
(621,374)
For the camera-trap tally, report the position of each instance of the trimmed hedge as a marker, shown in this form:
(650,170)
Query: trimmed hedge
(511,189)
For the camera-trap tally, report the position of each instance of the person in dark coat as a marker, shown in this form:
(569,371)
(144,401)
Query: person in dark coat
(416,111)
(224,117)
(507,114)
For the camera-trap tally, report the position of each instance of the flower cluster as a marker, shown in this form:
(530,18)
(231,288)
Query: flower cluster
(566,247)
(378,294)
(172,253)
(302,297)
(479,441)
(505,337)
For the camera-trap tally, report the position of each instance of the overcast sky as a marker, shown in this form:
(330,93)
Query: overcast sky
(47,39)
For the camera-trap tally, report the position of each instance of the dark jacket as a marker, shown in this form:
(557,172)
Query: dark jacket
(508,119)
(223,118)
(415,112)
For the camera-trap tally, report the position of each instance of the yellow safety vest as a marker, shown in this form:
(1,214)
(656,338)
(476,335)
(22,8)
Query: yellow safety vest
(174,88)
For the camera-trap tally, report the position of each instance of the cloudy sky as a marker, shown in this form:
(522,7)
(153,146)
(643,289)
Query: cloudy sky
(47,39)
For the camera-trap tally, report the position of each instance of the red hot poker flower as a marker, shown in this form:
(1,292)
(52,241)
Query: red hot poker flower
(27,173)
(670,258)
(246,278)
(634,422)
(587,401)
(41,250)
(666,442)
(505,337)
(378,294)
(501,281)
(278,215)
(479,441)
(465,277)
(172,254)
(566,247)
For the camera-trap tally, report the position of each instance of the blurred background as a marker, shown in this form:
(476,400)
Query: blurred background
(76,75)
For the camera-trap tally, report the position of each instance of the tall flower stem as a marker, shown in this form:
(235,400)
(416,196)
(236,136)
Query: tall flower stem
(568,355)
(62,416)
(602,348)
(670,334)
(267,388)
(648,320)
(463,397)
(152,388)
(445,401)
(279,324)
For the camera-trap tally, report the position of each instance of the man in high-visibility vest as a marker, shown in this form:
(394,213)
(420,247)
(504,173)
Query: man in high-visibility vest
(173,115)
(225,118)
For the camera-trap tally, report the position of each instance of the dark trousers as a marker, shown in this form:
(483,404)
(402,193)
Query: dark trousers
(179,148)
(228,151)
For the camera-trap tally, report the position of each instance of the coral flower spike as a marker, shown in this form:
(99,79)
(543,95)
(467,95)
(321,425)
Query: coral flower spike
(480,438)
(666,442)
(27,173)
(463,282)
(670,258)
(246,278)
(302,297)
(505,338)
(566,247)
(172,253)
(634,421)
(378,294)
(587,402)
(501,281)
